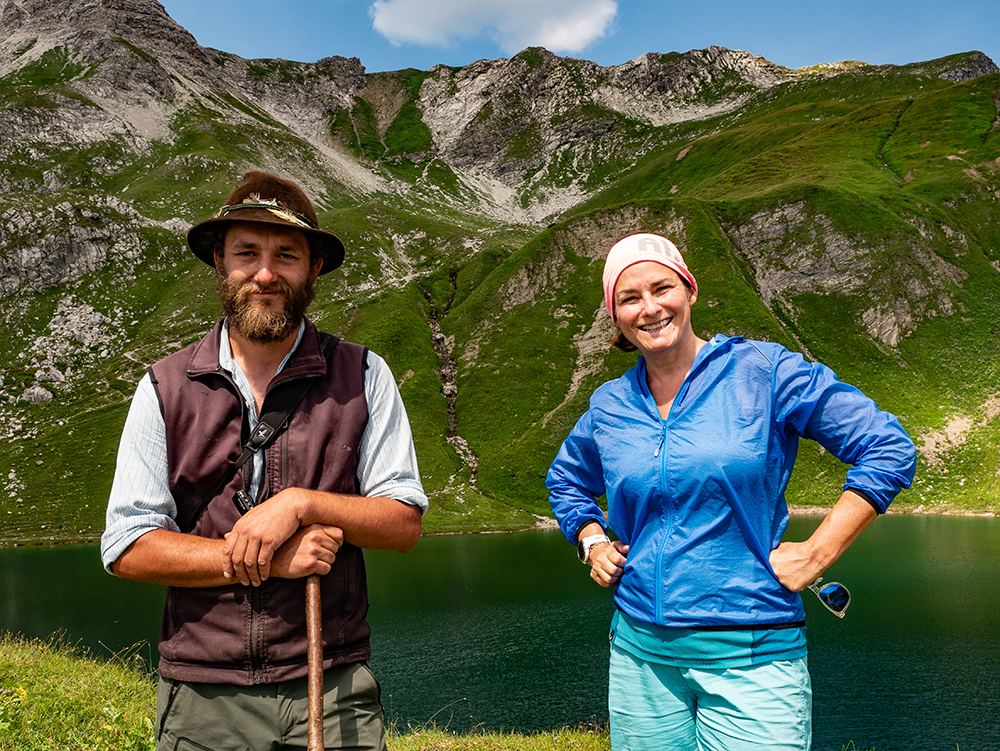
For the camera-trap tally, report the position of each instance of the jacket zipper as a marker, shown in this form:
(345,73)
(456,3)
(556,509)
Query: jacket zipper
(258,626)
(255,651)
(256,630)
(661,452)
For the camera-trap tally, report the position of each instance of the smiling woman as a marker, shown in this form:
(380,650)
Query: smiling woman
(693,449)
(649,292)
(653,313)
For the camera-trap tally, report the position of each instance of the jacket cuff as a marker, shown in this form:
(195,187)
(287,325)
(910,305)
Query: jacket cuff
(585,522)
(871,502)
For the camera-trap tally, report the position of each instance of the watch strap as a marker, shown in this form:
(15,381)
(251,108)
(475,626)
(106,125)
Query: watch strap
(587,544)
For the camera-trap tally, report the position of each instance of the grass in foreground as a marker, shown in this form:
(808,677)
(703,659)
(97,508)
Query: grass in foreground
(565,739)
(53,695)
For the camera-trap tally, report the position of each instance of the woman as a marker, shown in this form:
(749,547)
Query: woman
(694,447)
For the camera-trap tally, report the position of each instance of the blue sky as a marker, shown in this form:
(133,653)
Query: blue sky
(397,34)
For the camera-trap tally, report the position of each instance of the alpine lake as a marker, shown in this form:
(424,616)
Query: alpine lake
(507,631)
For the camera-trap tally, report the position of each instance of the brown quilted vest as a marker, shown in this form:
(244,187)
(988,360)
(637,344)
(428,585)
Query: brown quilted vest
(249,635)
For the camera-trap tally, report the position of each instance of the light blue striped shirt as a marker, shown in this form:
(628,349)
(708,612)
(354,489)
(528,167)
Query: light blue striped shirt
(140,495)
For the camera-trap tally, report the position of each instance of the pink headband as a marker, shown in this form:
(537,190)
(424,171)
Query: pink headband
(636,249)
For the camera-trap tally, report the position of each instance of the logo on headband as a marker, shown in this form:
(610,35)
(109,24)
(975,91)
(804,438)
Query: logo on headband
(661,247)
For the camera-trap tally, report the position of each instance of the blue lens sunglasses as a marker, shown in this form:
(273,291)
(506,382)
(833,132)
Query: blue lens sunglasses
(834,596)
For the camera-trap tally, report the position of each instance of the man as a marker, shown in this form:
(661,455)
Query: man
(234,547)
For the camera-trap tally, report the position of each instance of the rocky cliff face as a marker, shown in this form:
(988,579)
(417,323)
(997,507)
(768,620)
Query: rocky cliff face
(132,60)
(109,81)
(794,250)
(126,71)
(516,122)
(528,137)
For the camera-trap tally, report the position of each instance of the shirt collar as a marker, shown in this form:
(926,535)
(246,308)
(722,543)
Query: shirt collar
(228,363)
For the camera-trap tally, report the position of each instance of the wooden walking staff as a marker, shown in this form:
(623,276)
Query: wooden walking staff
(314,638)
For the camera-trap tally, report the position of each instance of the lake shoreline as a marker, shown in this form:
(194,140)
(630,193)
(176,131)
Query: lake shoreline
(545,523)
(794,510)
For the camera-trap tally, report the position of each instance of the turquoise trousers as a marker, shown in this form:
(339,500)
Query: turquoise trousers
(656,707)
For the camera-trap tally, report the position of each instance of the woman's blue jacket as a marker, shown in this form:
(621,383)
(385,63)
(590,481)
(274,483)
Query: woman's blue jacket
(699,498)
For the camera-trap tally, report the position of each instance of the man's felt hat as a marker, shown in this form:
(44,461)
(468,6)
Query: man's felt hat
(267,199)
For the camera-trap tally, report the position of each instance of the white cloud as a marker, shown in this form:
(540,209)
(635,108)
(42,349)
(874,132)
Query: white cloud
(557,25)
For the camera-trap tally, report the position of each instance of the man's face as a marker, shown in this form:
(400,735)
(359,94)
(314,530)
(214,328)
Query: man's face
(265,280)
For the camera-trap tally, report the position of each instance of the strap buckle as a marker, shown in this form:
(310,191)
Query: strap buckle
(260,436)
(243,501)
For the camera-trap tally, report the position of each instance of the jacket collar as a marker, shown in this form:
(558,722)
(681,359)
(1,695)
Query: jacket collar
(712,348)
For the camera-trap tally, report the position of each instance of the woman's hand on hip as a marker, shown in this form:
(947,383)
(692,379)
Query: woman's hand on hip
(794,566)
(799,564)
(607,562)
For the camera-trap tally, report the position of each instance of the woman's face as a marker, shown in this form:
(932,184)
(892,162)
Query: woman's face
(653,307)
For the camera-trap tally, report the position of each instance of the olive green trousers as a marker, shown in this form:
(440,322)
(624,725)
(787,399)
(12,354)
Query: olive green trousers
(269,717)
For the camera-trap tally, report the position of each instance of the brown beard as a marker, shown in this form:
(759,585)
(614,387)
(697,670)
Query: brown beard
(268,324)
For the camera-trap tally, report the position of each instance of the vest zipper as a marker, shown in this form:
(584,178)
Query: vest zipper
(258,637)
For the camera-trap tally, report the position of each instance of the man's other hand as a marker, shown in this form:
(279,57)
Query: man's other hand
(256,537)
(311,550)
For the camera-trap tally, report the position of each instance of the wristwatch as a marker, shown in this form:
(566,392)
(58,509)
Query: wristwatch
(587,544)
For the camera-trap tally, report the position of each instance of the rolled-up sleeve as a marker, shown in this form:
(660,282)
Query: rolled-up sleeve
(141,500)
(848,424)
(387,460)
(140,494)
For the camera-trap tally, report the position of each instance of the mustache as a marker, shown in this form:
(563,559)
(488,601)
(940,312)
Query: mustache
(241,294)
(250,287)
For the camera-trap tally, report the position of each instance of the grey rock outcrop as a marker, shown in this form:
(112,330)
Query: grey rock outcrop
(106,89)
(37,395)
(48,246)
(978,65)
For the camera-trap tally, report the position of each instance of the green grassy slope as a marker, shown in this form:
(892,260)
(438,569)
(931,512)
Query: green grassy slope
(906,171)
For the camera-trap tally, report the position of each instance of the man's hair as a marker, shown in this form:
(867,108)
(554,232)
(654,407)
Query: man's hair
(218,240)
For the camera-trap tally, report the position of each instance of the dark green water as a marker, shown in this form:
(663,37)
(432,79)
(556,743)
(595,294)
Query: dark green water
(507,631)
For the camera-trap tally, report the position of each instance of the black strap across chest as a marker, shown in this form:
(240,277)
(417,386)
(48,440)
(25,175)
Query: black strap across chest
(268,428)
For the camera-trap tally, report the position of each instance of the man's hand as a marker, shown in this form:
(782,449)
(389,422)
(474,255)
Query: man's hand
(257,536)
(607,562)
(368,522)
(311,550)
